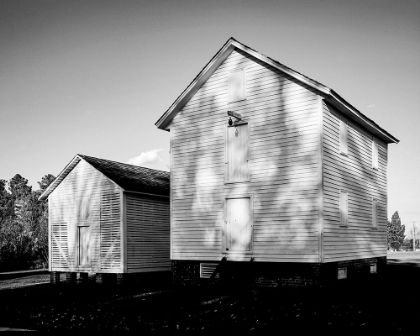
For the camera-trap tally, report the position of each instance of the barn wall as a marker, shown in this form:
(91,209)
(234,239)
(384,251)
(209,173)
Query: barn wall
(84,187)
(355,174)
(284,161)
(147,233)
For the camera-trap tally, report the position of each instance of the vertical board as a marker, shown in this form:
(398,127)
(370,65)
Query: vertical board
(147,233)
(84,246)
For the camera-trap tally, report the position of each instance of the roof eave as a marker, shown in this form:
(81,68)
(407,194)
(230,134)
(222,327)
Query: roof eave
(356,115)
(195,85)
(60,178)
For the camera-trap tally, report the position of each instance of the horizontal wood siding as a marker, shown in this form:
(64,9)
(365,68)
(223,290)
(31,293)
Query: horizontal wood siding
(283,124)
(81,189)
(111,230)
(353,173)
(147,233)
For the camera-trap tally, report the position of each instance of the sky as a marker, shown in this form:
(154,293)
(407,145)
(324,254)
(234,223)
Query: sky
(93,77)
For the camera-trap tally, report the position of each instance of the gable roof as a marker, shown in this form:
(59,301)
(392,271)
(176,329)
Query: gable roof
(128,177)
(328,94)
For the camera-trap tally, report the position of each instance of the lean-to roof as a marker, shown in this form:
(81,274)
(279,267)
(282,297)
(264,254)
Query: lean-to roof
(328,94)
(128,177)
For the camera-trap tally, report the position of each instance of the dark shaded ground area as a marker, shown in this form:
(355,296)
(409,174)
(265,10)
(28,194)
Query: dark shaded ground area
(378,304)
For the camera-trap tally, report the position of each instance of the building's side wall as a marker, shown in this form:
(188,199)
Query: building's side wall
(355,174)
(84,185)
(147,220)
(283,160)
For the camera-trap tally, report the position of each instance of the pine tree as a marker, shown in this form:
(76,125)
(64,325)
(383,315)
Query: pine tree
(395,232)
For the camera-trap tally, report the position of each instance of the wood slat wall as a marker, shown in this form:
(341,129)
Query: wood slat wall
(147,233)
(355,174)
(283,119)
(82,183)
(111,230)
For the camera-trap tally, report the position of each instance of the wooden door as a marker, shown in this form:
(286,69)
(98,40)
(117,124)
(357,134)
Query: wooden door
(239,224)
(237,153)
(84,245)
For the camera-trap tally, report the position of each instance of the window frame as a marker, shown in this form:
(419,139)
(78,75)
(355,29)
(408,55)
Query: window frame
(344,196)
(375,203)
(230,74)
(375,154)
(343,133)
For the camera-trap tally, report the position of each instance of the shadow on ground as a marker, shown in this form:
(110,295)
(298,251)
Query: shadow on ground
(152,305)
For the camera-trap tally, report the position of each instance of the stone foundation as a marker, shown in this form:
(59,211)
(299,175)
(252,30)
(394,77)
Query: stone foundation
(264,274)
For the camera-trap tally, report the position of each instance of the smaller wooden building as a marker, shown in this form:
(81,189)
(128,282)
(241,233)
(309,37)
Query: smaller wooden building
(106,217)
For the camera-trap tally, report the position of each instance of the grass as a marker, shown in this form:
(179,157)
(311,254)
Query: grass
(379,304)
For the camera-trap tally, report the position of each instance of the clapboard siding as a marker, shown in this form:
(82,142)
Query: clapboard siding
(82,187)
(355,174)
(111,230)
(283,123)
(147,233)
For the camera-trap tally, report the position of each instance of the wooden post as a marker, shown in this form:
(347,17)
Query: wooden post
(55,278)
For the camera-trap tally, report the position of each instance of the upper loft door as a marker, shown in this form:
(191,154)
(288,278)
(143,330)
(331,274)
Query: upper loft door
(237,152)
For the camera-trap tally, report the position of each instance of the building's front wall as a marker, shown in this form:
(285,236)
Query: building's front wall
(84,223)
(354,174)
(284,159)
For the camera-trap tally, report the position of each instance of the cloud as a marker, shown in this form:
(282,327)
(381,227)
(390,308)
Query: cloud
(371,105)
(150,159)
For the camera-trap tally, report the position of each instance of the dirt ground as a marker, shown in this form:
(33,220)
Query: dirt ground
(380,304)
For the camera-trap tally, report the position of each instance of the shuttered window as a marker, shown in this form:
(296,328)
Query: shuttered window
(343,137)
(237,152)
(238,224)
(344,208)
(375,158)
(237,87)
(374,213)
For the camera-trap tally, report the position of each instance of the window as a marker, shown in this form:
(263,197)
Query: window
(238,224)
(237,87)
(343,137)
(344,208)
(374,212)
(375,159)
(237,151)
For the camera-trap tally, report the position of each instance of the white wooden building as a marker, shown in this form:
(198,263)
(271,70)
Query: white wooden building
(297,183)
(108,217)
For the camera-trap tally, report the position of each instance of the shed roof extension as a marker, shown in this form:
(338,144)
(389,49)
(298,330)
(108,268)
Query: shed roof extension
(128,177)
(329,95)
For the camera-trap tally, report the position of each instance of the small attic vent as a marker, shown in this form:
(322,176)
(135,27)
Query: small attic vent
(207,269)
(373,268)
(342,273)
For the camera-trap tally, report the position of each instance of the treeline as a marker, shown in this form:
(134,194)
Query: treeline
(23,224)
